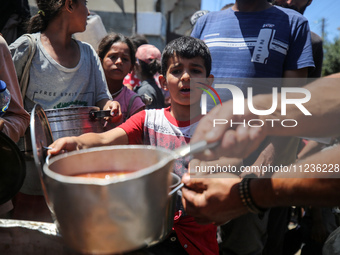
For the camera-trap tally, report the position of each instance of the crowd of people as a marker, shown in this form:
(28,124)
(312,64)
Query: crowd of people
(155,99)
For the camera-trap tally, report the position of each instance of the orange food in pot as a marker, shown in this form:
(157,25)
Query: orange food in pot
(102,175)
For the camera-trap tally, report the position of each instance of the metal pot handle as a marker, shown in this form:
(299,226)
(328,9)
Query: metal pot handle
(99,114)
(194,148)
(176,189)
(47,160)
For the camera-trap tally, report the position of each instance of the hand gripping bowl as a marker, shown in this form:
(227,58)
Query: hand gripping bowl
(120,214)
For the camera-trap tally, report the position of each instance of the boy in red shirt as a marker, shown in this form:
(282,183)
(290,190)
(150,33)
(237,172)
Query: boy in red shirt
(183,59)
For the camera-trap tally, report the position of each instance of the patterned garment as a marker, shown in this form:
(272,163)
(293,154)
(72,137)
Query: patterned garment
(159,128)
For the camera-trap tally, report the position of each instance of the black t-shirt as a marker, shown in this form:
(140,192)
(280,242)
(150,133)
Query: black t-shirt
(9,7)
(151,94)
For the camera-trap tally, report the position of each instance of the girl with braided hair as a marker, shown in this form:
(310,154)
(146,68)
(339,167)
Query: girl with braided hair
(63,73)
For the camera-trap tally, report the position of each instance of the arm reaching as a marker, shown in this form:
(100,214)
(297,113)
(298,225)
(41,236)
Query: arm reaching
(112,137)
(217,198)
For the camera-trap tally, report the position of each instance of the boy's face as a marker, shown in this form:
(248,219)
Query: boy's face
(178,76)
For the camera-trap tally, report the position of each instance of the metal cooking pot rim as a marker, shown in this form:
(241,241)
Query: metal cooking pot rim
(114,179)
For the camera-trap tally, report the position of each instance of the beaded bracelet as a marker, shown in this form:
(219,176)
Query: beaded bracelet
(246,198)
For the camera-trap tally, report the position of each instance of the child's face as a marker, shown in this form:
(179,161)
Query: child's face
(117,61)
(180,72)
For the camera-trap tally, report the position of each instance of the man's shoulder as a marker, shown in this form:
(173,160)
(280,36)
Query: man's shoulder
(217,16)
(316,38)
(290,13)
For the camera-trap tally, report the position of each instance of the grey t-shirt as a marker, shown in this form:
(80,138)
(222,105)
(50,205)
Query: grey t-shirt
(55,86)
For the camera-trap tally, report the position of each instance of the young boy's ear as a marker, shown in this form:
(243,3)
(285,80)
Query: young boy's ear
(163,82)
(210,79)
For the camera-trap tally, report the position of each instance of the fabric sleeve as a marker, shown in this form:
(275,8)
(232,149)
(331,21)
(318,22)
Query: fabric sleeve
(101,88)
(147,90)
(300,54)
(196,238)
(19,50)
(194,32)
(16,118)
(134,128)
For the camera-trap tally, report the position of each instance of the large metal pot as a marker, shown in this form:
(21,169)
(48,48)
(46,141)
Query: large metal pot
(70,121)
(44,237)
(103,216)
(168,219)
(74,121)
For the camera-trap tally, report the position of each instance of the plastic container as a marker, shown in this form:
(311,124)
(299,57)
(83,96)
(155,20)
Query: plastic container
(5,98)
(95,31)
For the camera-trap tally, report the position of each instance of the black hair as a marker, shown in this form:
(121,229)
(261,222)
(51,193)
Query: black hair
(112,38)
(149,70)
(138,40)
(186,47)
(227,6)
(48,10)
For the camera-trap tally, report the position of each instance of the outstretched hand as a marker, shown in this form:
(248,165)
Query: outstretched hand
(62,145)
(212,198)
(235,140)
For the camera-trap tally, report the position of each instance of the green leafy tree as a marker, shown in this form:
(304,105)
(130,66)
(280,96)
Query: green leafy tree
(331,62)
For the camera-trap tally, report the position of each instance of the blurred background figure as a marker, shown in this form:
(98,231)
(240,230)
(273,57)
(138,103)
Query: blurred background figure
(148,64)
(317,44)
(13,16)
(196,16)
(131,80)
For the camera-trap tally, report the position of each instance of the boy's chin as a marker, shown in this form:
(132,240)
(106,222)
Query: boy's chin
(195,102)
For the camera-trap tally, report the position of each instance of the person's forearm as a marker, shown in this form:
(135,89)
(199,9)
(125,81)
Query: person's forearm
(305,187)
(16,119)
(116,136)
(324,106)
(286,192)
